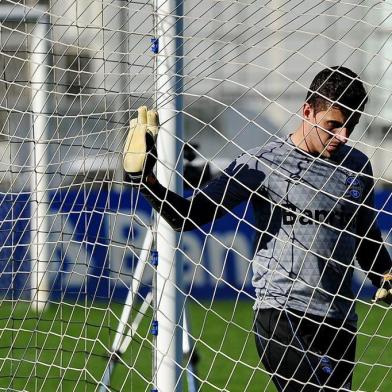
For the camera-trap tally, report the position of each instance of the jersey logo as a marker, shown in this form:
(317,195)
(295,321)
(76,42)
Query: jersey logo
(351,180)
(326,364)
(292,215)
(354,187)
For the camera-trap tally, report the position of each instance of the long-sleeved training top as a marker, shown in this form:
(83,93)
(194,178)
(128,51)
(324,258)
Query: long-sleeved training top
(314,216)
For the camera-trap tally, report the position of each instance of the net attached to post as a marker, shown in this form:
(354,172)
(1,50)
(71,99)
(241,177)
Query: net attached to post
(78,242)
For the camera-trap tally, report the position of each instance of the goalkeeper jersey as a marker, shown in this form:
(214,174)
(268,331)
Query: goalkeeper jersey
(313,216)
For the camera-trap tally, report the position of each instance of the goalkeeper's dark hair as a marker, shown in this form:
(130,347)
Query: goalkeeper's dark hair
(338,86)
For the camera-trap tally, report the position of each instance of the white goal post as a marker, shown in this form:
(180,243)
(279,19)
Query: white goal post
(169,101)
(97,291)
(39,60)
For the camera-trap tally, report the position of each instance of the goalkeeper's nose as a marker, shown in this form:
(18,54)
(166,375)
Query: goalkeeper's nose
(342,135)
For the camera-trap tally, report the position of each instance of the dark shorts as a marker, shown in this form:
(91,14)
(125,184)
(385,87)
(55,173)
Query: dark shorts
(304,354)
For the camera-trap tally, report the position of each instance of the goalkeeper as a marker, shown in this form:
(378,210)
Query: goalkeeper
(312,198)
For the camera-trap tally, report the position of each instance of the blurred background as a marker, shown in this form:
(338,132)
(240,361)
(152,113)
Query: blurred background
(247,67)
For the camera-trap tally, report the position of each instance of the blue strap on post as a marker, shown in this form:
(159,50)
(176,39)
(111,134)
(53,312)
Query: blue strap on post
(154,258)
(154,327)
(155,45)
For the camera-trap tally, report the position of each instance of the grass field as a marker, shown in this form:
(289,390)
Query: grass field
(64,349)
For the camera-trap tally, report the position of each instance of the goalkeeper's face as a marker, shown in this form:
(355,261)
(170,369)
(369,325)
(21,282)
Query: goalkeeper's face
(328,129)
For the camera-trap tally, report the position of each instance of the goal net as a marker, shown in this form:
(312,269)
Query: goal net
(83,301)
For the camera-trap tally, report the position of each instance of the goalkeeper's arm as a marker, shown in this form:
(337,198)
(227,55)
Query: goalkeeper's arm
(372,253)
(374,257)
(220,195)
(182,214)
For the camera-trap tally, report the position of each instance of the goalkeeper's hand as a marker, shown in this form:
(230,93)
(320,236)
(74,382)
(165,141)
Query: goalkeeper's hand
(384,293)
(140,154)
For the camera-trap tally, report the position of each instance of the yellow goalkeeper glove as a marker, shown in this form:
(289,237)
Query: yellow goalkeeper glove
(384,293)
(140,154)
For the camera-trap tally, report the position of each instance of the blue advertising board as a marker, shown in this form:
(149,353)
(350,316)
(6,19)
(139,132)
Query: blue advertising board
(96,236)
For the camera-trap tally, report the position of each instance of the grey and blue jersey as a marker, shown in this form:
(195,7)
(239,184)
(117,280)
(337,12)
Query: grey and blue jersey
(313,216)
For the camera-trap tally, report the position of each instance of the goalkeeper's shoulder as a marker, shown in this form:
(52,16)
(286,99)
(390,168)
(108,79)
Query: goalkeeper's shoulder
(263,157)
(353,159)
(248,171)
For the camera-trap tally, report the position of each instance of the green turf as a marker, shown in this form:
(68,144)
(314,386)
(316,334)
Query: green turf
(65,349)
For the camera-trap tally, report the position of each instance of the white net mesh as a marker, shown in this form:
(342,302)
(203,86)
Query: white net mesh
(75,235)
